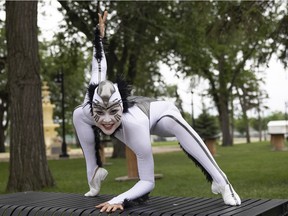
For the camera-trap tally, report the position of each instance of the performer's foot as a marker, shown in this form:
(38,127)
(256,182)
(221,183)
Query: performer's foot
(229,196)
(95,184)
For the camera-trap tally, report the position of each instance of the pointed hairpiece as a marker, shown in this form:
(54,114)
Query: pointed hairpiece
(124,90)
(97,44)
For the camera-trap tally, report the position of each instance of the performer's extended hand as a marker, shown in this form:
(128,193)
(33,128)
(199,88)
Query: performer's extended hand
(106,207)
(102,21)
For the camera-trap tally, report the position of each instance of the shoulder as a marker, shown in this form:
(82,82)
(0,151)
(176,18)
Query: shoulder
(134,114)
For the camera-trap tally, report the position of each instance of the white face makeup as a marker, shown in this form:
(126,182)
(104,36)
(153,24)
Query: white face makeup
(107,107)
(107,119)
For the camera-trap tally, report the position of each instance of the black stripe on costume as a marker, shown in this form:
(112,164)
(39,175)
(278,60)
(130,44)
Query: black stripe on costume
(97,146)
(97,44)
(208,176)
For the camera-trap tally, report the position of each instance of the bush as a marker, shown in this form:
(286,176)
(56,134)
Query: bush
(207,126)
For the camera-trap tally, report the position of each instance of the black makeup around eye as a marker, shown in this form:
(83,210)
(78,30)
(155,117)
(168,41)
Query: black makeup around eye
(114,111)
(99,112)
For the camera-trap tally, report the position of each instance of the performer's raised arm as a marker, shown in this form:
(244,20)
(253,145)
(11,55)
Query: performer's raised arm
(99,64)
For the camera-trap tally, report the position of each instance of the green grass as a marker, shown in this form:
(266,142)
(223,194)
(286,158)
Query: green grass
(165,143)
(254,170)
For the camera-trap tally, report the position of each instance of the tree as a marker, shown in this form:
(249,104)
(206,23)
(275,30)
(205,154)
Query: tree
(28,164)
(216,46)
(207,126)
(130,50)
(249,94)
(230,34)
(131,43)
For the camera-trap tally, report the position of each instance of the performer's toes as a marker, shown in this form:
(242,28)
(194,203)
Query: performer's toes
(95,184)
(229,195)
(91,193)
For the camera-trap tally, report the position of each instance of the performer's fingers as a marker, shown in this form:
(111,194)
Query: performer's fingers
(105,16)
(114,208)
(108,208)
(101,205)
(99,18)
(102,19)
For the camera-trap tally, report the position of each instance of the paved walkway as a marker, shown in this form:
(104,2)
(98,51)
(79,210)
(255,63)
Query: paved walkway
(77,153)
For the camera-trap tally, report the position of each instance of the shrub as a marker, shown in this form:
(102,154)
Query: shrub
(207,126)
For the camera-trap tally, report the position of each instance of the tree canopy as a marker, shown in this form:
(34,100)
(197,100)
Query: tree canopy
(217,46)
(214,40)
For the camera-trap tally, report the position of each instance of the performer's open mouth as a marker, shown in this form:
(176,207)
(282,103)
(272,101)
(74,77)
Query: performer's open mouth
(108,126)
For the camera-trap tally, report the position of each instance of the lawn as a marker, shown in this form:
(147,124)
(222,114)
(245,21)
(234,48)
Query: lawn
(254,170)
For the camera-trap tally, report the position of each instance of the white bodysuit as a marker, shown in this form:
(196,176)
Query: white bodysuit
(160,118)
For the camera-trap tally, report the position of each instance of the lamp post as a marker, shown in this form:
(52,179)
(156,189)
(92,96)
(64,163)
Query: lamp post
(192,111)
(60,79)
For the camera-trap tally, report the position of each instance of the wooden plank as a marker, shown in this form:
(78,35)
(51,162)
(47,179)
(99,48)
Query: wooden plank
(270,207)
(204,208)
(77,212)
(10,210)
(228,209)
(247,208)
(43,211)
(176,206)
(35,210)
(26,210)
(141,209)
(54,204)
(200,207)
(157,206)
(185,206)
(3,209)
(18,211)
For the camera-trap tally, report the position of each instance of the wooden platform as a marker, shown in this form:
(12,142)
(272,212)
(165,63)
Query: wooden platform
(48,204)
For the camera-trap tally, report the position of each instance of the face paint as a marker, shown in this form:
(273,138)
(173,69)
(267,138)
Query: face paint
(107,119)
(107,107)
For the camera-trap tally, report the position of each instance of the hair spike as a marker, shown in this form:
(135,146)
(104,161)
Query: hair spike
(125,91)
(90,91)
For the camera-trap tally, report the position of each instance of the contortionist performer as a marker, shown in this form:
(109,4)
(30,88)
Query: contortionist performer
(132,120)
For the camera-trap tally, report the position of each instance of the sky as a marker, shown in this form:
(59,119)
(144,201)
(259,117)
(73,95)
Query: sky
(276,77)
(277,86)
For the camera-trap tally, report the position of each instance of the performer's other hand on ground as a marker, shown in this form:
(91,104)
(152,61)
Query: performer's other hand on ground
(102,21)
(106,207)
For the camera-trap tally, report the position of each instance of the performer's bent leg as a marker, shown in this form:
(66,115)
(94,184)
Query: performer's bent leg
(85,134)
(193,145)
(173,123)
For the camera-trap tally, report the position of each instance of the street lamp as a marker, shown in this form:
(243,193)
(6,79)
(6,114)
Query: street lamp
(60,80)
(192,111)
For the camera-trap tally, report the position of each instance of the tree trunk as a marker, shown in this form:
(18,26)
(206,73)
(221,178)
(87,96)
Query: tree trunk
(225,123)
(28,163)
(247,128)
